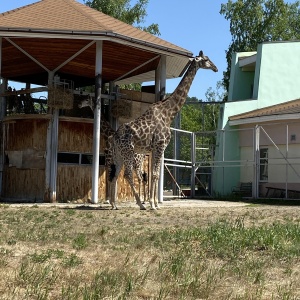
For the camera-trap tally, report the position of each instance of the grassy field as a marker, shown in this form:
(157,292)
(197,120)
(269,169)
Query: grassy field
(250,252)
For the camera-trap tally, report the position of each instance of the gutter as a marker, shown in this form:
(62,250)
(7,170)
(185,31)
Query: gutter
(262,119)
(94,35)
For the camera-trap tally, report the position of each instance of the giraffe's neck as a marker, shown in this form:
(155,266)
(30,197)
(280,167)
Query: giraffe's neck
(106,129)
(176,100)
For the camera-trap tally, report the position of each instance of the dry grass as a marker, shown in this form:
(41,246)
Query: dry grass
(84,252)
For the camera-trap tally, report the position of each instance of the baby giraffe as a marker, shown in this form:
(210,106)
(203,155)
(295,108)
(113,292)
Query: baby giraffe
(108,132)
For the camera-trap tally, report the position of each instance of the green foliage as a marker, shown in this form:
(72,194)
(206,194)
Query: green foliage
(131,14)
(198,116)
(256,21)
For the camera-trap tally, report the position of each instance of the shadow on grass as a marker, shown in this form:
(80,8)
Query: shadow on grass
(266,201)
(87,207)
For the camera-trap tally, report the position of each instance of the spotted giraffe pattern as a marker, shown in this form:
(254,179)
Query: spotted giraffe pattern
(150,133)
(107,131)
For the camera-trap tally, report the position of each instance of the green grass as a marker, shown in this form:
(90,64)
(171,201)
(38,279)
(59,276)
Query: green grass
(236,253)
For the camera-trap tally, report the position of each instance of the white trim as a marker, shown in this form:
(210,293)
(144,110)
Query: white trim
(262,119)
(94,35)
(247,61)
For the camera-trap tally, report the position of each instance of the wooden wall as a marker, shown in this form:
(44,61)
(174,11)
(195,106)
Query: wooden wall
(23,185)
(24,170)
(75,183)
(24,173)
(76,137)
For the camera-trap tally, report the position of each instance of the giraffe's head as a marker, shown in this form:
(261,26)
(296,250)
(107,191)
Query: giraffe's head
(204,62)
(86,102)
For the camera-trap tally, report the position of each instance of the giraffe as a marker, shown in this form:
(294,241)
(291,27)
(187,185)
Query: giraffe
(151,133)
(107,131)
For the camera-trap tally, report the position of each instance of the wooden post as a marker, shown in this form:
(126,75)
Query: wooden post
(97,119)
(3,87)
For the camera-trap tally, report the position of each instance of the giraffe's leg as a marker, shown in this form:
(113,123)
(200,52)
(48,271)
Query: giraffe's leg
(108,197)
(152,192)
(157,157)
(139,188)
(113,187)
(144,191)
(129,176)
(138,160)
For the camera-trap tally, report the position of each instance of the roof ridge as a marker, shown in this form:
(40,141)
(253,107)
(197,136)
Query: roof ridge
(74,4)
(18,8)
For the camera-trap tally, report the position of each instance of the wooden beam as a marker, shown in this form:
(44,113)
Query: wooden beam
(24,91)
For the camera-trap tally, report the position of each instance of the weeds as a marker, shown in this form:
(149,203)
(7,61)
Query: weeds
(57,254)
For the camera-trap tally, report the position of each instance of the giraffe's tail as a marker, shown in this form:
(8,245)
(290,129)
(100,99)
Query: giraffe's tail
(145,177)
(112,172)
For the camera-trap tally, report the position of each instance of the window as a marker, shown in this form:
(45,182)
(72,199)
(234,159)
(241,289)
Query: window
(263,164)
(78,158)
(68,158)
(86,159)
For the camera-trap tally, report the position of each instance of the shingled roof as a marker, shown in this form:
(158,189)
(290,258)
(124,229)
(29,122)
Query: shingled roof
(70,15)
(267,113)
(53,27)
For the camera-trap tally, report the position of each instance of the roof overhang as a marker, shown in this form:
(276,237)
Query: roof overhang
(91,35)
(263,119)
(248,63)
(125,59)
(61,35)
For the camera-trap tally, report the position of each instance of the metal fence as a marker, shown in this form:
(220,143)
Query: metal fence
(262,161)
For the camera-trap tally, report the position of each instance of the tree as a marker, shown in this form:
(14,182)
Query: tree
(198,116)
(133,15)
(256,21)
(122,10)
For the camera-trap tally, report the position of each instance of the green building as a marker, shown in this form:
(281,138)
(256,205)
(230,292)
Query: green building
(257,131)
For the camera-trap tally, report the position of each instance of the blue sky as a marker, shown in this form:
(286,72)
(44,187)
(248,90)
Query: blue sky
(191,24)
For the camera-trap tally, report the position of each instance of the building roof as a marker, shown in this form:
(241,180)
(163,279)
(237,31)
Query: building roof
(72,16)
(52,30)
(286,110)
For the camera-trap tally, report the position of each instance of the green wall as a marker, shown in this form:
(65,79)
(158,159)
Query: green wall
(276,79)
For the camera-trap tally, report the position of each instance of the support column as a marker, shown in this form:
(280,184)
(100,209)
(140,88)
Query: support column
(157,82)
(255,184)
(163,76)
(176,153)
(193,170)
(97,119)
(54,151)
(3,87)
(51,151)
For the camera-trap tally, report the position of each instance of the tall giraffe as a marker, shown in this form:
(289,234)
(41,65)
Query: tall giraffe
(151,133)
(107,131)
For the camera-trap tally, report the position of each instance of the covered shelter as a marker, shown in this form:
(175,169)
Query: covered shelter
(49,151)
